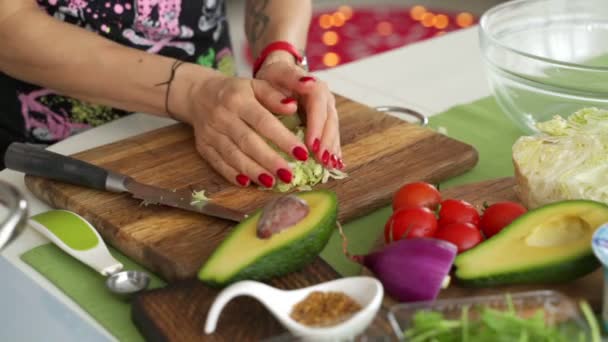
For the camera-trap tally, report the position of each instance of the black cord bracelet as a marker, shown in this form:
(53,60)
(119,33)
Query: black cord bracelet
(174,67)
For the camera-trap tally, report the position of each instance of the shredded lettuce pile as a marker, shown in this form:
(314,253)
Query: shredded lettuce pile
(305,174)
(568,159)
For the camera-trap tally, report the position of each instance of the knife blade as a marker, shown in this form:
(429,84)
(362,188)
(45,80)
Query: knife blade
(40,162)
(180,199)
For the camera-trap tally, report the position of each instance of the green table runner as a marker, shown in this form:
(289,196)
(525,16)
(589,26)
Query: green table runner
(481,124)
(87,288)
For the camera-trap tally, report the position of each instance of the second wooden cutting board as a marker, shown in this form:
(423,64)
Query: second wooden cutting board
(381,153)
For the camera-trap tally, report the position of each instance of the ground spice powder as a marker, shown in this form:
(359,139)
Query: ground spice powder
(324,309)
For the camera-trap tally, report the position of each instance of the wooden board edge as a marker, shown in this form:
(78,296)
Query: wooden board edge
(468,163)
(142,321)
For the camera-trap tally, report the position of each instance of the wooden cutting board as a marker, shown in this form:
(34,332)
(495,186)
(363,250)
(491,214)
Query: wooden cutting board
(381,153)
(589,287)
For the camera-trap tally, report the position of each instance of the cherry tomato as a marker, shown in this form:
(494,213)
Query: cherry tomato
(457,211)
(419,194)
(387,230)
(410,223)
(463,235)
(499,215)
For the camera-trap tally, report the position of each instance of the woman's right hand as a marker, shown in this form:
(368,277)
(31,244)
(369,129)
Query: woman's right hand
(233,120)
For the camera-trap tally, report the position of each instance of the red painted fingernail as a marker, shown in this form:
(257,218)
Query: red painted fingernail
(325,157)
(266,180)
(316,145)
(242,179)
(307,79)
(284,175)
(288,100)
(300,153)
(334,161)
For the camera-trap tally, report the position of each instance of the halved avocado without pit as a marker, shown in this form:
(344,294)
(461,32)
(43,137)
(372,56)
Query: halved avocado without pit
(549,244)
(244,255)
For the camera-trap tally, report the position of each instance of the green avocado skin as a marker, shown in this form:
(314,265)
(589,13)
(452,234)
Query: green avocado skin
(291,257)
(557,273)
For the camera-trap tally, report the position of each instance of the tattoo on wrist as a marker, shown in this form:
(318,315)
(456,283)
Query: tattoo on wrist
(257,19)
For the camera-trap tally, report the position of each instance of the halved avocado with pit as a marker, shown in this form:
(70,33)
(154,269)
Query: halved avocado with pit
(547,245)
(243,255)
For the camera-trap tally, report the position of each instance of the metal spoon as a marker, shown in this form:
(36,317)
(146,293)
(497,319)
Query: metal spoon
(14,222)
(77,237)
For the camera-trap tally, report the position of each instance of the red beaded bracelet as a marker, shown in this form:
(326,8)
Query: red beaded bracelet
(279,45)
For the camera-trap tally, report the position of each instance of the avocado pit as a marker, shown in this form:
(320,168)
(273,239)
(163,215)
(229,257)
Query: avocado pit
(280,214)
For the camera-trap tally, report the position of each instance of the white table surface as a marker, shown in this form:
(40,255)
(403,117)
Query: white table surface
(429,76)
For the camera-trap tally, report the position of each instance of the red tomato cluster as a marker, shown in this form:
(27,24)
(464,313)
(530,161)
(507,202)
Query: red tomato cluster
(419,211)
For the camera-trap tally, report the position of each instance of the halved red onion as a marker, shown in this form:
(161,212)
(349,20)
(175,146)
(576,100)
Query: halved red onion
(412,269)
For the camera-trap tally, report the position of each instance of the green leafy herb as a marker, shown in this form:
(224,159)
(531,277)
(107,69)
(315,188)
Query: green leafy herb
(591,321)
(465,324)
(492,325)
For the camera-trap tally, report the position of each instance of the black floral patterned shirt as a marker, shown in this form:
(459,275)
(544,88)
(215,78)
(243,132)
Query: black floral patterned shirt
(190,30)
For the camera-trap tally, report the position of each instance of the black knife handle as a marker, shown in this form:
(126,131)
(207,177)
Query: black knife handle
(40,162)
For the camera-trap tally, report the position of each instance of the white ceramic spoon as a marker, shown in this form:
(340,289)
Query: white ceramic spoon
(367,291)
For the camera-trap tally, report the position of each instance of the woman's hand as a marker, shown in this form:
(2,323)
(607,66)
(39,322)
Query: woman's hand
(233,123)
(323,129)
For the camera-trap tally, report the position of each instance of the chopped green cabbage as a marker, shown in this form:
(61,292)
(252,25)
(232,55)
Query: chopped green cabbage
(308,173)
(198,198)
(568,159)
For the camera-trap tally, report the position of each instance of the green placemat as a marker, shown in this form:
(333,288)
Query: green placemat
(87,288)
(481,124)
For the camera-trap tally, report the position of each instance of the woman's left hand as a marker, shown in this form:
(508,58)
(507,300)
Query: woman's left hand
(317,102)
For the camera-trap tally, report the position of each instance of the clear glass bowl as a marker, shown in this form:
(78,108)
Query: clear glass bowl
(560,311)
(546,57)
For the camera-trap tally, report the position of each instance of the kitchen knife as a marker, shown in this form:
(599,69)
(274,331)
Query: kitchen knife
(37,161)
